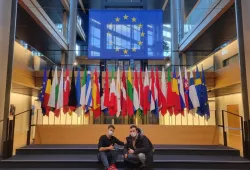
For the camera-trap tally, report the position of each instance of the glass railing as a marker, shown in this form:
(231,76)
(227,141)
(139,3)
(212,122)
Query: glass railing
(199,12)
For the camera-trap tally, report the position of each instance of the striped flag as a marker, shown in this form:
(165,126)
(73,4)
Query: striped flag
(54,91)
(59,103)
(112,96)
(130,94)
(66,92)
(78,94)
(96,96)
(88,100)
(83,89)
(198,87)
(141,93)
(181,91)
(136,92)
(152,92)
(124,94)
(72,94)
(163,94)
(106,90)
(193,97)
(170,94)
(41,96)
(118,92)
(186,89)
(176,95)
(146,98)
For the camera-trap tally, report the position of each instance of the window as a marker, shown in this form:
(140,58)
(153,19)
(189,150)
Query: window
(77,50)
(229,61)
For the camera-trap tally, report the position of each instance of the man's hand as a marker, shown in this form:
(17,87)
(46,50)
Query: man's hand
(131,151)
(111,147)
(126,156)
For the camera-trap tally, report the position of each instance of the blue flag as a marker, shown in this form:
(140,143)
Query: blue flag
(41,96)
(198,87)
(78,88)
(125,34)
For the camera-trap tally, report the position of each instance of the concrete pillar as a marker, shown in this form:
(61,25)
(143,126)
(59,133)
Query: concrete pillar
(243,34)
(7,37)
(72,31)
(174,32)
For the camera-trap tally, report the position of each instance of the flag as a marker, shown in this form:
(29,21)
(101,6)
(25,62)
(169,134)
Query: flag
(78,94)
(170,94)
(163,93)
(118,92)
(181,91)
(176,96)
(106,90)
(88,100)
(112,96)
(124,94)
(59,103)
(66,92)
(193,97)
(158,89)
(141,93)
(136,92)
(54,91)
(186,89)
(204,106)
(130,94)
(104,109)
(152,92)
(83,89)
(72,94)
(42,94)
(146,94)
(198,87)
(96,96)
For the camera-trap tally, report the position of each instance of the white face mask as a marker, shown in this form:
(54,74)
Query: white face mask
(110,133)
(133,134)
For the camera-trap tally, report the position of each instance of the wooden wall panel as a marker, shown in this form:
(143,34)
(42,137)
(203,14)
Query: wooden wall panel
(159,134)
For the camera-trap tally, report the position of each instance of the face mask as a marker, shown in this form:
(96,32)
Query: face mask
(110,133)
(133,134)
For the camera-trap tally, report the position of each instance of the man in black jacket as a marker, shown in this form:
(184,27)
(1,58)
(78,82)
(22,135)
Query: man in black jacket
(107,152)
(137,148)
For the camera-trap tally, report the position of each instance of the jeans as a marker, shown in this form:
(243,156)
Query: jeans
(136,159)
(108,157)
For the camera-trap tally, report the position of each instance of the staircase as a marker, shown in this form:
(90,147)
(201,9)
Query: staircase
(166,157)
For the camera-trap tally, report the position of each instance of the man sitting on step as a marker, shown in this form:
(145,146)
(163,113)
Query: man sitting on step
(107,151)
(137,148)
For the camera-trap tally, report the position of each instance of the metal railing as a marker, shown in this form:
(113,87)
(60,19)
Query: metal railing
(223,126)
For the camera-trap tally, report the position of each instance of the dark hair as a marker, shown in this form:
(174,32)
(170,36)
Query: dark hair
(111,126)
(133,126)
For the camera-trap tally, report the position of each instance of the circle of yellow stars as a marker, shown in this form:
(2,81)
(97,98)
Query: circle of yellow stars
(134,20)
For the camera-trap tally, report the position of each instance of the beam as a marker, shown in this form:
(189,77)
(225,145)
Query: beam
(65,5)
(164,5)
(82,6)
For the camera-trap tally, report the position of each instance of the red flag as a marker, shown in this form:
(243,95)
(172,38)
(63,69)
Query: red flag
(106,90)
(124,95)
(112,96)
(170,95)
(146,98)
(141,91)
(96,96)
(157,84)
(66,92)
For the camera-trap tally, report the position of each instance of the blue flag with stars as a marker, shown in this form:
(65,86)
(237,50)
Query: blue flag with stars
(41,96)
(125,34)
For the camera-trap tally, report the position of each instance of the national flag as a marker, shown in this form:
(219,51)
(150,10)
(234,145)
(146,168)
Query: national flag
(146,94)
(186,89)
(118,92)
(158,89)
(59,103)
(103,108)
(88,100)
(176,96)
(54,91)
(66,92)
(153,93)
(112,96)
(42,94)
(78,94)
(204,106)
(170,94)
(163,94)
(198,87)
(96,96)
(136,92)
(83,89)
(130,94)
(181,92)
(193,97)
(124,94)
(106,90)
(72,94)
(141,94)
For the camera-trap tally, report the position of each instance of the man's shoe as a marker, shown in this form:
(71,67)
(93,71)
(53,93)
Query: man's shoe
(142,167)
(109,168)
(113,167)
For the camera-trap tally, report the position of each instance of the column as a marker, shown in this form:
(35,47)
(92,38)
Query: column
(7,37)
(174,32)
(243,33)
(72,31)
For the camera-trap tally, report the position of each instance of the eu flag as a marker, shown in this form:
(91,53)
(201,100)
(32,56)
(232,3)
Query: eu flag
(41,96)
(125,34)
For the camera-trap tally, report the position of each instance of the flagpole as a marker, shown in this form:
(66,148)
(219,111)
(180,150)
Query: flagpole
(66,118)
(187,114)
(72,118)
(54,118)
(199,120)
(48,118)
(36,116)
(60,117)
(82,118)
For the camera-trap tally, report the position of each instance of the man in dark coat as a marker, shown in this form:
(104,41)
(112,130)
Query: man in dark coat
(137,149)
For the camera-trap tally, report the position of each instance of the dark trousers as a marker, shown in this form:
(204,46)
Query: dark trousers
(108,157)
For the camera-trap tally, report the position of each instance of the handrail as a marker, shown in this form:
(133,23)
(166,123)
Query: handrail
(232,113)
(23,112)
